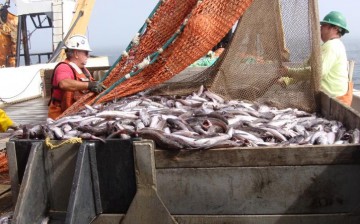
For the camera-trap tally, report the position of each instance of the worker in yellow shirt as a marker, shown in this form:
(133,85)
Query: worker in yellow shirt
(5,122)
(334,79)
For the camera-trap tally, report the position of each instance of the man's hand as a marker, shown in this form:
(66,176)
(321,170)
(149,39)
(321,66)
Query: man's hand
(284,79)
(96,87)
(283,71)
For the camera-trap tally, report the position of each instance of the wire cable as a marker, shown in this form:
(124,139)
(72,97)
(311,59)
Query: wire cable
(22,91)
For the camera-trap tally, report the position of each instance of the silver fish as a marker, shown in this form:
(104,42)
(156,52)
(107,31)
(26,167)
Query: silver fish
(355,136)
(145,117)
(214,97)
(66,128)
(201,90)
(247,136)
(160,138)
(116,114)
(88,136)
(276,133)
(139,124)
(57,131)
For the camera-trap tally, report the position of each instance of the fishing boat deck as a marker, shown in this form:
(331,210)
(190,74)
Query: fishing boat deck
(28,112)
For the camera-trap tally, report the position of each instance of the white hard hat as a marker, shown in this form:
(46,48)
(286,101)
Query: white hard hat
(78,42)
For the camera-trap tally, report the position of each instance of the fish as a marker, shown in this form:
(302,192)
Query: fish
(70,134)
(90,110)
(200,120)
(88,136)
(340,133)
(190,103)
(178,124)
(215,124)
(238,134)
(275,133)
(238,118)
(355,136)
(160,138)
(139,124)
(214,97)
(116,114)
(57,131)
(213,114)
(144,117)
(322,139)
(69,119)
(36,131)
(331,137)
(225,144)
(66,128)
(97,131)
(91,120)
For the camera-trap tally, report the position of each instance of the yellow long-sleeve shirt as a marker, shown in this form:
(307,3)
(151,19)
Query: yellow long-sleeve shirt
(5,121)
(334,78)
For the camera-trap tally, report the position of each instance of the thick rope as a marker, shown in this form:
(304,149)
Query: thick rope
(68,141)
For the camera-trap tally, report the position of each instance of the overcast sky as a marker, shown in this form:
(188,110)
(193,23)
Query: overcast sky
(115,22)
(350,8)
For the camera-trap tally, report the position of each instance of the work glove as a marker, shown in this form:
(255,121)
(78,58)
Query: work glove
(14,126)
(96,87)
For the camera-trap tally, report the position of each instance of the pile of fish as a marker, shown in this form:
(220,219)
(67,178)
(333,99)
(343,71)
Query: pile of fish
(201,120)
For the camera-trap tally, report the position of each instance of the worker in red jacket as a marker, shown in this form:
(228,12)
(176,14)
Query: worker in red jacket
(71,79)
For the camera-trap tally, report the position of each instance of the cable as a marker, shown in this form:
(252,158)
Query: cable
(7,98)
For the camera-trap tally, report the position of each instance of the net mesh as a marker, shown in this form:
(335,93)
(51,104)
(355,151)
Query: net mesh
(8,40)
(270,34)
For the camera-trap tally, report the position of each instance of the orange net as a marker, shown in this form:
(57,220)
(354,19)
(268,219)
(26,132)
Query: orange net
(205,24)
(269,35)
(8,41)
(4,168)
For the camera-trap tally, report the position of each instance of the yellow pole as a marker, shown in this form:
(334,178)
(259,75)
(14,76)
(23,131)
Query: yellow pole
(85,8)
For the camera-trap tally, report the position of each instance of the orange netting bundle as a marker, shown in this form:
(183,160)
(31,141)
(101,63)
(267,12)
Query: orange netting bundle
(197,26)
(8,34)
(4,168)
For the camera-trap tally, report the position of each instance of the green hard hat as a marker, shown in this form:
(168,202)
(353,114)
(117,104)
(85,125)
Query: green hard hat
(337,19)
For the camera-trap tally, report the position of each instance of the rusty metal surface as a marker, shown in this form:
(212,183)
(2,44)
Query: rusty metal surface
(209,194)
(260,156)
(260,190)
(33,195)
(147,204)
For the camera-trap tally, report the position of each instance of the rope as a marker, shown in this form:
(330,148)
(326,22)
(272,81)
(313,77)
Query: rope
(5,29)
(68,141)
